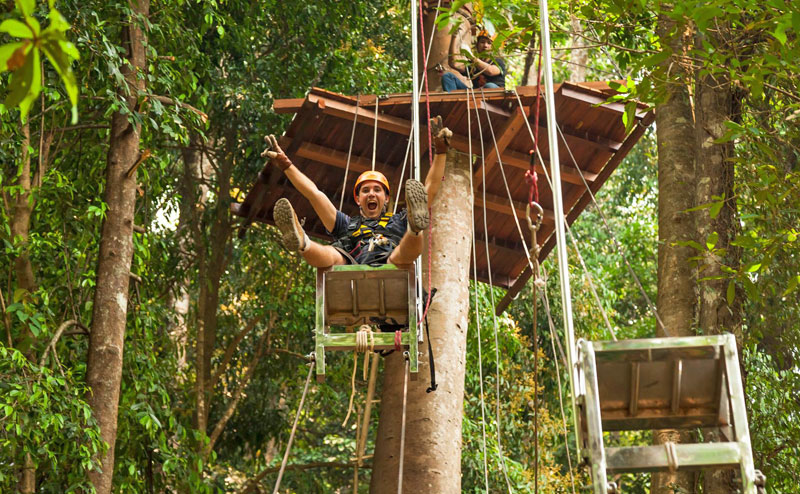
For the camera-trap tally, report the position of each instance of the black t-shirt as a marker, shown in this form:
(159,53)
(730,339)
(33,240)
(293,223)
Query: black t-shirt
(369,241)
(481,79)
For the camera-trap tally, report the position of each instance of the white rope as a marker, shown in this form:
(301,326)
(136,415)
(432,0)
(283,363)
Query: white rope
(617,245)
(569,230)
(672,456)
(294,429)
(365,339)
(411,133)
(553,340)
(403,429)
(349,152)
(498,424)
(477,315)
(375,134)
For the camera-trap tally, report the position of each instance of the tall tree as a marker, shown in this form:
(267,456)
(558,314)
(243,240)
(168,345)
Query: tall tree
(106,341)
(717,102)
(432,449)
(676,176)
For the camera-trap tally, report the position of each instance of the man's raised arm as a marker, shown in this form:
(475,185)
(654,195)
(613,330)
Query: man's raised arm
(323,206)
(441,142)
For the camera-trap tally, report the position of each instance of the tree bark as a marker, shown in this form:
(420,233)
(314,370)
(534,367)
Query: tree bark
(676,175)
(578,57)
(432,459)
(213,260)
(440,46)
(716,103)
(197,171)
(104,370)
(21,221)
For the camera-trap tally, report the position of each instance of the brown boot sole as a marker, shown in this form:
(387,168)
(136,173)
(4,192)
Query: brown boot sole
(417,205)
(289,226)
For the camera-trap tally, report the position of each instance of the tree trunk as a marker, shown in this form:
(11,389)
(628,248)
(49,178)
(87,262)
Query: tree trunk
(676,175)
(197,171)
(432,459)
(213,260)
(21,221)
(578,56)
(440,46)
(104,370)
(530,71)
(716,103)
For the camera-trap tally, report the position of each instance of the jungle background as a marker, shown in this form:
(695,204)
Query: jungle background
(213,415)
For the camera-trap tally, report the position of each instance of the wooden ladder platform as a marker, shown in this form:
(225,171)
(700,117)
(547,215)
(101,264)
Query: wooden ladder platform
(353,295)
(663,383)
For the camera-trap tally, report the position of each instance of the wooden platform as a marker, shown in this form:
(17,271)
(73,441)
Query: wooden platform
(318,139)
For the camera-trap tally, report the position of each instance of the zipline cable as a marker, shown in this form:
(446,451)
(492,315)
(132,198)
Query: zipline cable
(501,455)
(410,134)
(403,427)
(586,271)
(349,152)
(375,133)
(477,314)
(614,239)
(294,429)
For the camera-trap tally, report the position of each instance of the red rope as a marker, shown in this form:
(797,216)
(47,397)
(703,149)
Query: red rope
(430,155)
(398,340)
(531,176)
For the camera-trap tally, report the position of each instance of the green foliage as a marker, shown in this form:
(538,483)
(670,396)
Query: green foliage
(23,58)
(44,416)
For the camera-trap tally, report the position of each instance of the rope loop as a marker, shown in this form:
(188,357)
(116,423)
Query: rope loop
(672,456)
(365,339)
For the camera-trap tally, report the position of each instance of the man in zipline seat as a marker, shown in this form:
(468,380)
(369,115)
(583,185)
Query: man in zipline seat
(485,73)
(375,236)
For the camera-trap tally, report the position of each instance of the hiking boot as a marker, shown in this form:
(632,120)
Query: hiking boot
(417,205)
(293,236)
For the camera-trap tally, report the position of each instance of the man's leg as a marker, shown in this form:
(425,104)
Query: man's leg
(490,85)
(408,250)
(450,82)
(294,238)
(410,246)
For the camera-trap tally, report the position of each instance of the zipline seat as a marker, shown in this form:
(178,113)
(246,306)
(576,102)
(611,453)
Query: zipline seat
(355,294)
(663,383)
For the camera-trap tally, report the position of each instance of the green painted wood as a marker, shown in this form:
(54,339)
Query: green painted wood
(640,459)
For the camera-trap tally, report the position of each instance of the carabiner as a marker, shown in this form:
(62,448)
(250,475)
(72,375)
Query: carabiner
(534,227)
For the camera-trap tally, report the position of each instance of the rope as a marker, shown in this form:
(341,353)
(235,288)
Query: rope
(365,339)
(614,239)
(408,147)
(478,319)
(294,429)
(553,340)
(491,293)
(403,429)
(375,134)
(349,152)
(569,230)
(365,343)
(672,456)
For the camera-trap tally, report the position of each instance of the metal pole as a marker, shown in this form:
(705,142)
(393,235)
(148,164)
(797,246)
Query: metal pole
(558,206)
(415,89)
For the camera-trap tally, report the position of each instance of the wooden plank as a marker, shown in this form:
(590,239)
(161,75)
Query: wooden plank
(584,200)
(336,158)
(289,105)
(504,136)
(500,204)
(690,457)
(568,172)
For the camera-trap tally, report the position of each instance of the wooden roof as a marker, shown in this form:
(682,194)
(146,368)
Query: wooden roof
(318,139)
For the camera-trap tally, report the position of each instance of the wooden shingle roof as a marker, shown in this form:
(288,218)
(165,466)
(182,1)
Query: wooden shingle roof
(318,140)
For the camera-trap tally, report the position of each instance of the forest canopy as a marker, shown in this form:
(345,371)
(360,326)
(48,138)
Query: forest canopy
(127,130)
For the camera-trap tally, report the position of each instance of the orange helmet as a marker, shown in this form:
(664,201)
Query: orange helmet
(370,175)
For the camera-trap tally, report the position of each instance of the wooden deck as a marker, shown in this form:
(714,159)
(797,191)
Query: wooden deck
(318,139)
